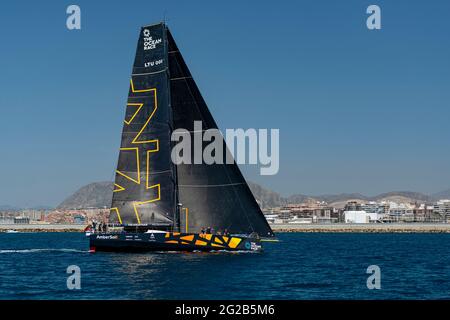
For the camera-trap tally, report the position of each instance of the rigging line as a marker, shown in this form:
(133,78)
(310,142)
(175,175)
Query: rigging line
(174,170)
(225,167)
(180,78)
(141,123)
(190,131)
(162,128)
(159,172)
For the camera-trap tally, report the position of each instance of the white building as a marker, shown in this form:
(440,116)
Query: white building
(361,216)
(442,207)
(400,209)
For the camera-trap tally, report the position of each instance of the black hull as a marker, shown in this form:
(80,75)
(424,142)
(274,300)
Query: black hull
(170,241)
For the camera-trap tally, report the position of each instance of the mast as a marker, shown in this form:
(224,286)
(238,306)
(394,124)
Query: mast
(176,213)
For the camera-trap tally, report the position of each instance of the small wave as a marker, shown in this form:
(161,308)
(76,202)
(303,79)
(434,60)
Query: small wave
(207,252)
(224,251)
(308,285)
(42,250)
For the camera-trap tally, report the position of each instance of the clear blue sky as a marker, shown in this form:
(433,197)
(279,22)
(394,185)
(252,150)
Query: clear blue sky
(358,110)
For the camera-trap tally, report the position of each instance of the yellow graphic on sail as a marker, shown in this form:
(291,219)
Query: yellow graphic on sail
(136,180)
(118,214)
(136,204)
(155,103)
(135,177)
(138,108)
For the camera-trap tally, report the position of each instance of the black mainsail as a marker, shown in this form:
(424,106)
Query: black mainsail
(164,97)
(144,187)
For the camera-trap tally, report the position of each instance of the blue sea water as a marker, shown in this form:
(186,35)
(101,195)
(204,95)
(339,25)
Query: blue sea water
(301,266)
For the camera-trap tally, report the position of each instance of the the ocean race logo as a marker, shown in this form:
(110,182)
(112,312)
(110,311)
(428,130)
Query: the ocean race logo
(251,146)
(149,42)
(73,21)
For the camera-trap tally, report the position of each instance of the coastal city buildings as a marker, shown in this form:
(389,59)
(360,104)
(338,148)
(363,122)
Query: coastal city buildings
(56,216)
(307,212)
(442,207)
(361,212)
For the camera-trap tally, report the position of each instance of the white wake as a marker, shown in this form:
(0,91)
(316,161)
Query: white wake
(42,250)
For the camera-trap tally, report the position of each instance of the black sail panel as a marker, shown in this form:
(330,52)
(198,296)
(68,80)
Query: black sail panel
(144,189)
(215,195)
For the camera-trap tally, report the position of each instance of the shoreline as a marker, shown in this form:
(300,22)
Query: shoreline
(304,228)
(42,227)
(364,228)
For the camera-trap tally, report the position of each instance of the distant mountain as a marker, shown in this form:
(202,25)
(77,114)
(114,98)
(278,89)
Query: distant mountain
(341,197)
(441,195)
(43,207)
(266,198)
(99,194)
(339,200)
(417,196)
(13,208)
(93,195)
(5,207)
(296,198)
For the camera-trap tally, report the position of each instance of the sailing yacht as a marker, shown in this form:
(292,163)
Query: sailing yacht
(158,205)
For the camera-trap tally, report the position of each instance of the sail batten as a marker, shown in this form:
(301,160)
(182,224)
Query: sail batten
(210,185)
(149,73)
